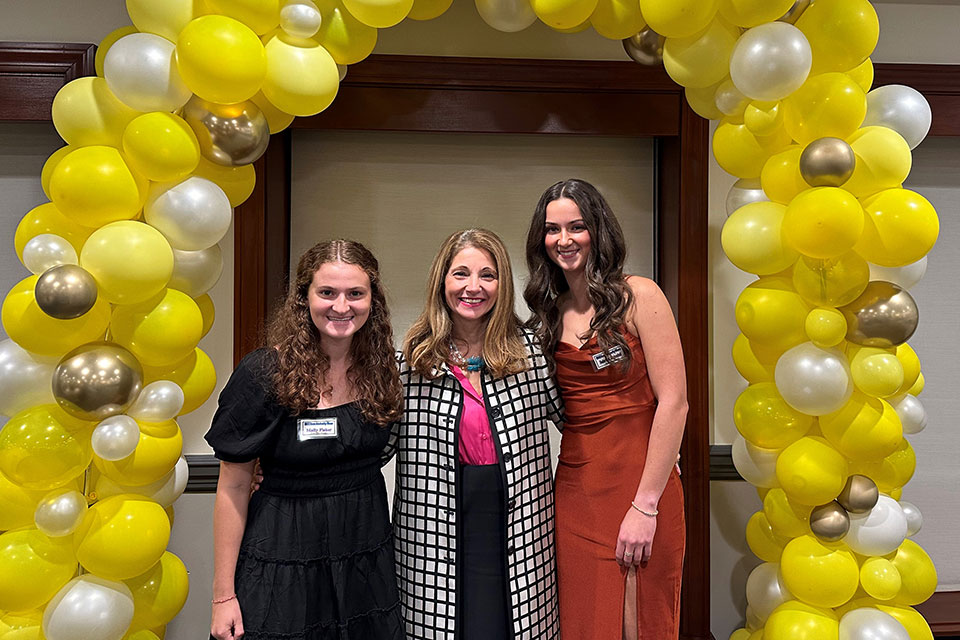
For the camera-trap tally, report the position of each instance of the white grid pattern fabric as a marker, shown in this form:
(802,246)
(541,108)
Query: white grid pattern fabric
(520,408)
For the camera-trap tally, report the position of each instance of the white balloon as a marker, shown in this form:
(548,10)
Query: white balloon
(47,250)
(879,531)
(868,623)
(115,438)
(158,401)
(753,621)
(905,276)
(192,214)
(164,491)
(744,191)
(913,516)
(141,71)
(342,71)
(912,415)
(765,590)
(300,18)
(770,61)
(89,608)
(25,379)
(729,100)
(901,108)
(757,466)
(60,512)
(509,16)
(813,380)
(195,272)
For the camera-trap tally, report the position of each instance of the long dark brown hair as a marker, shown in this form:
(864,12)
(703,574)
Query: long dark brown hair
(607,287)
(302,365)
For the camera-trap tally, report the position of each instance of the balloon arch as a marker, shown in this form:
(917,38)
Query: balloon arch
(102,352)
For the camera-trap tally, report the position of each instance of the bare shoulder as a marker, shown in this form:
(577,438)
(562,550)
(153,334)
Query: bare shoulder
(650,306)
(644,288)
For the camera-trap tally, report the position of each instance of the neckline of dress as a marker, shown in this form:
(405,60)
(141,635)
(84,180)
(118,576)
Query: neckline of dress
(592,338)
(336,406)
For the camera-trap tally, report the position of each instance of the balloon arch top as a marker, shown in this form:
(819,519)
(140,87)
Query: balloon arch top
(102,352)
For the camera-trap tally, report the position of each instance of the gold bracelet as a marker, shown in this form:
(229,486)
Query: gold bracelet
(222,600)
(649,514)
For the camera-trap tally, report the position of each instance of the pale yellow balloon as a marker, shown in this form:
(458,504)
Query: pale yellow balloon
(742,154)
(780,176)
(826,327)
(157,452)
(821,574)
(771,313)
(563,14)
(261,16)
(236,182)
(753,361)
(166,18)
(880,578)
(46,218)
(347,39)
(428,9)
(679,18)
(161,146)
(910,362)
(302,77)
(827,105)
(883,161)
(702,100)
(901,227)
(862,74)
(379,13)
(876,372)
(752,239)
(277,120)
(130,260)
(811,471)
(85,112)
(617,19)
(864,429)
(750,13)
(702,59)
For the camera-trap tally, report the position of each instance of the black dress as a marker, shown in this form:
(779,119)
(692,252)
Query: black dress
(316,560)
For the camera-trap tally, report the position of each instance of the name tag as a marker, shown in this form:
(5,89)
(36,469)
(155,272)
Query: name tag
(316,429)
(604,359)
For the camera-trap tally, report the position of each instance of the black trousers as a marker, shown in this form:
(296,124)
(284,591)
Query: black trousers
(482,583)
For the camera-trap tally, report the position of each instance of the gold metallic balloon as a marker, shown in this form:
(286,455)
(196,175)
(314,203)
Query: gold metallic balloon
(884,315)
(827,162)
(645,47)
(829,522)
(859,495)
(97,380)
(66,291)
(795,11)
(229,134)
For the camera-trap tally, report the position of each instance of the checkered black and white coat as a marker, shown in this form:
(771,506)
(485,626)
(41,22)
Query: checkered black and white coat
(425,507)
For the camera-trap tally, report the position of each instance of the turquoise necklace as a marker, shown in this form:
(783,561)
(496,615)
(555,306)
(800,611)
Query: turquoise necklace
(473,363)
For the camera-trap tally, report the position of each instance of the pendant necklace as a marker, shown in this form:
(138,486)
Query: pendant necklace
(473,363)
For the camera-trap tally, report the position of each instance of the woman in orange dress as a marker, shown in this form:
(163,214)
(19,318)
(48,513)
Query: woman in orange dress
(619,503)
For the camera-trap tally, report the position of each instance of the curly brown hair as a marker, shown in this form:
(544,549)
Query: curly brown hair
(302,365)
(607,287)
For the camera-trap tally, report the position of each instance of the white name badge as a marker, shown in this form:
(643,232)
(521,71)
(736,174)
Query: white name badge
(316,429)
(606,358)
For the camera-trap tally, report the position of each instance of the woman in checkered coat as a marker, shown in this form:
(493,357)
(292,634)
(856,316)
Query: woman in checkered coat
(473,508)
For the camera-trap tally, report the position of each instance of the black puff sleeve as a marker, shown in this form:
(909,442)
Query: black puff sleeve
(246,417)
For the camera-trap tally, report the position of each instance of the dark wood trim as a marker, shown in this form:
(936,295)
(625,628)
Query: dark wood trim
(939,84)
(942,612)
(31,73)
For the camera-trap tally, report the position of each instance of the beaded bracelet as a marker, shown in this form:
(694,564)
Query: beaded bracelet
(222,600)
(649,514)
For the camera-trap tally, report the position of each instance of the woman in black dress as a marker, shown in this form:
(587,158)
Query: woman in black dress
(310,555)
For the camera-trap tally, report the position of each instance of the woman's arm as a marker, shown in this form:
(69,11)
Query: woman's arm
(229,520)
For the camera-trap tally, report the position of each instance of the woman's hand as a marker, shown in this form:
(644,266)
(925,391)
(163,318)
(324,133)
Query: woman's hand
(635,540)
(226,623)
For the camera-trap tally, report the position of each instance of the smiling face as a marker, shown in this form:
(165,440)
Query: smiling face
(471,284)
(339,298)
(566,237)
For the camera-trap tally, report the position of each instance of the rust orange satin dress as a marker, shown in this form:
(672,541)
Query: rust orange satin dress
(608,418)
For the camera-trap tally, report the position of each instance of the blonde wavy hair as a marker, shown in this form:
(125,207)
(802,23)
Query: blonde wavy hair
(427,343)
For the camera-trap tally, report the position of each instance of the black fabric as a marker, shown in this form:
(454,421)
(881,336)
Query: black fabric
(483,587)
(316,560)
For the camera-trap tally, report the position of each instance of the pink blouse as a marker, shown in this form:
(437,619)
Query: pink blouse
(476,444)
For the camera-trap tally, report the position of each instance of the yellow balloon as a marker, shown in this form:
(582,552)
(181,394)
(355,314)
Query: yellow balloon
(22,625)
(823,222)
(679,18)
(752,239)
(880,578)
(220,59)
(901,227)
(381,13)
(260,15)
(161,146)
(811,471)
(763,542)
(753,361)
(795,620)
(85,112)
(33,567)
(347,39)
(159,594)
(236,182)
(827,105)
(563,14)
(702,101)
(876,372)
(51,163)
(302,78)
(93,186)
(750,13)
(825,327)
(17,505)
(42,448)
(818,573)
(831,282)
(207,312)
(864,429)
(786,517)
(122,537)
(31,328)
(765,419)
(195,374)
(892,472)
(277,120)
(883,161)
(917,572)
(161,330)
(780,176)
(917,387)
(616,19)
(862,74)
(429,9)
(107,42)
(46,218)
(160,446)
(763,118)
(131,261)
(911,369)
(740,634)
(742,154)
(699,60)
(583,26)
(164,19)
(771,313)
(911,619)
(141,634)
(841,33)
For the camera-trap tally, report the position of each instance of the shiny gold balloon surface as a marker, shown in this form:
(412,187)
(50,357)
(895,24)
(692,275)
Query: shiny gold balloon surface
(884,315)
(97,380)
(829,522)
(229,134)
(645,47)
(795,11)
(859,495)
(827,162)
(66,291)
